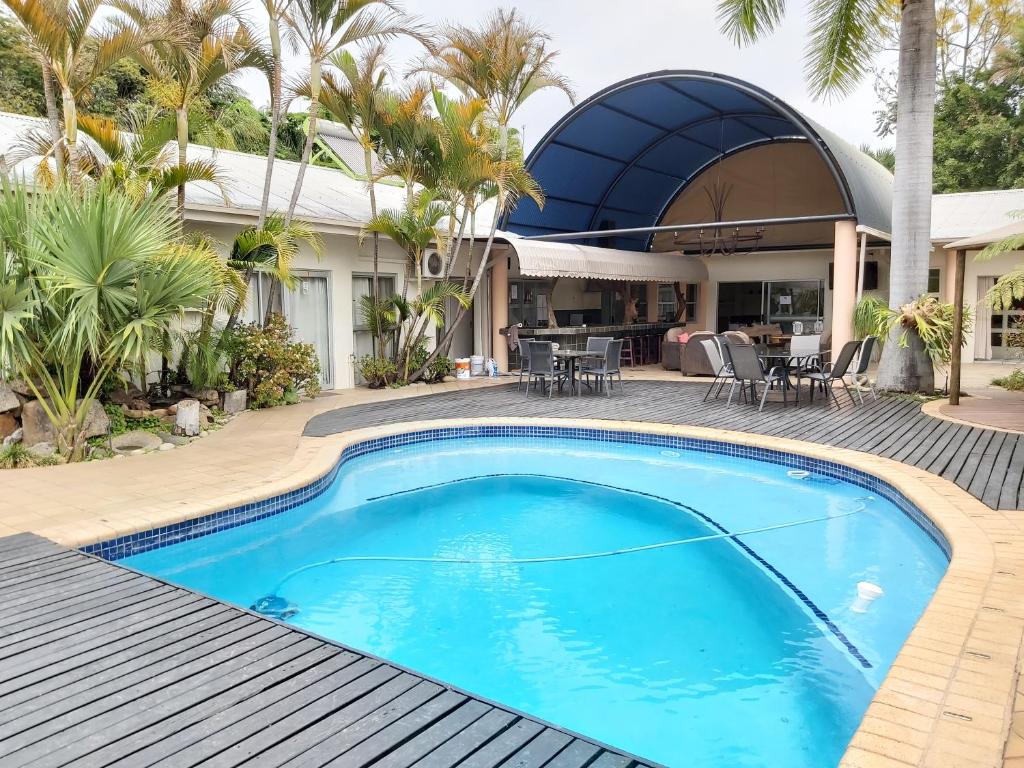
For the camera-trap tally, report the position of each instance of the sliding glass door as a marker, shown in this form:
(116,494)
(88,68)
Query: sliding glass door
(781,302)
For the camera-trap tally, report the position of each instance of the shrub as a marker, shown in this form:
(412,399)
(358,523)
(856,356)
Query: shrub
(17,456)
(273,369)
(378,372)
(118,423)
(1013,382)
(439,368)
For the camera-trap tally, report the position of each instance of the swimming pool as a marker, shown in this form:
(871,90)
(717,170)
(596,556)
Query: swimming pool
(740,643)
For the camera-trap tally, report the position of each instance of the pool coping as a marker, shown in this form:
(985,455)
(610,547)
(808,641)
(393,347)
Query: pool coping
(949,696)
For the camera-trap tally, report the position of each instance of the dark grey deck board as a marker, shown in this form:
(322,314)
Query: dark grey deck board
(893,427)
(122,669)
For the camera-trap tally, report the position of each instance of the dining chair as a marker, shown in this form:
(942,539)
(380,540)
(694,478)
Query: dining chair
(723,370)
(859,373)
(831,373)
(606,368)
(748,371)
(524,362)
(542,368)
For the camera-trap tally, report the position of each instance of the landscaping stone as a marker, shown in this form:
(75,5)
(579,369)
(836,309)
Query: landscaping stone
(20,387)
(207,396)
(128,396)
(8,425)
(187,418)
(43,450)
(8,399)
(172,409)
(14,437)
(136,441)
(234,402)
(166,447)
(39,430)
(167,437)
(205,416)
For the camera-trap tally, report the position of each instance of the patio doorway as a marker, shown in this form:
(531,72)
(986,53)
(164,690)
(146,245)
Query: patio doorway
(770,301)
(308,309)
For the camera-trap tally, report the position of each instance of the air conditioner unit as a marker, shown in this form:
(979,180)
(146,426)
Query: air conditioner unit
(433,263)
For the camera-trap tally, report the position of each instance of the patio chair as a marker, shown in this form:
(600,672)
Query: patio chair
(723,370)
(808,349)
(833,372)
(859,372)
(748,371)
(542,368)
(604,369)
(524,362)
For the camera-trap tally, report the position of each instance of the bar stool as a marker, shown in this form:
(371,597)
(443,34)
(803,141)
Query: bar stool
(628,351)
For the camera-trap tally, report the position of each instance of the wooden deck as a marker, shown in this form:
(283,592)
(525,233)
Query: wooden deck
(987,463)
(101,666)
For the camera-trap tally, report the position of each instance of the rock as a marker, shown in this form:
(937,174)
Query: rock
(139,404)
(136,441)
(43,450)
(205,416)
(20,387)
(167,437)
(207,396)
(37,428)
(133,413)
(172,409)
(233,402)
(8,425)
(14,437)
(8,399)
(187,418)
(166,447)
(126,397)
(158,413)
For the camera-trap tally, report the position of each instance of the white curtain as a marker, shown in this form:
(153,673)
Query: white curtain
(308,314)
(983,321)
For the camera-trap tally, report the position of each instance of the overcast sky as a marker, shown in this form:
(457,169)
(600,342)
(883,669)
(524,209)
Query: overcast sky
(601,42)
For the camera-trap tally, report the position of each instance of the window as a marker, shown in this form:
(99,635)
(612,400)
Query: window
(933,281)
(362,285)
(668,302)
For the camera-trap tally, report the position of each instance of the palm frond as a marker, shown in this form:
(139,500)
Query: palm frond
(744,21)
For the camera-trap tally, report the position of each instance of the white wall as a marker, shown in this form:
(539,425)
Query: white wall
(342,258)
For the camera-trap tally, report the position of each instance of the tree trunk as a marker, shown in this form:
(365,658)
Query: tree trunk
(71,136)
(899,370)
(53,116)
(275,116)
(307,148)
(958,328)
(181,122)
(368,163)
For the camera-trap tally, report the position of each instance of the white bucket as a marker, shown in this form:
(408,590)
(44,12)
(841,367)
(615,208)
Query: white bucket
(476,365)
(462,368)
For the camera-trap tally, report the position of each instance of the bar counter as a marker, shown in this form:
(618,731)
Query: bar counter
(575,336)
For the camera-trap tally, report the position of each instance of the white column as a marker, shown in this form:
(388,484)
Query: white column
(652,302)
(499,310)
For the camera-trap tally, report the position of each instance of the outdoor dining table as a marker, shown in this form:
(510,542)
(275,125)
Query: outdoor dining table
(571,357)
(795,363)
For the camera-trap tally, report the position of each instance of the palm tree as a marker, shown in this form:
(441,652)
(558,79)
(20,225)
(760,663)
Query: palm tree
(277,12)
(355,100)
(323,27)
(75,54)
(212,44)
(842,39)
(272,250)
(93,281)
(503,63)
(414,229)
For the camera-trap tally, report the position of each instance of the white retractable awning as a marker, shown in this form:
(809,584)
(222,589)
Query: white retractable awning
(538,258)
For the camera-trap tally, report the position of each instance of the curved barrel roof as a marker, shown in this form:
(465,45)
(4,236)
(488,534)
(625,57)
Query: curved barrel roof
(620,158)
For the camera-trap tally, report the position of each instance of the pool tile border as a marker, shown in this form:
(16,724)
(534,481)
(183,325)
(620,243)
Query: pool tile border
(154,538)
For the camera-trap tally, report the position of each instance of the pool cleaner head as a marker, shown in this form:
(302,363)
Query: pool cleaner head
(275,607)
(867,593)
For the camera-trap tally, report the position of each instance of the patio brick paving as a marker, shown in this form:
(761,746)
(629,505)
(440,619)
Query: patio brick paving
(987,463)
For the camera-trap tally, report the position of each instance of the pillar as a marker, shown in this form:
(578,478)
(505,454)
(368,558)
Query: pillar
(499,310)
(652,302)
(949,278)
(844,284)
(706,315)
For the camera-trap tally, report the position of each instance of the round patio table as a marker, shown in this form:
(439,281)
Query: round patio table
(797,364)
(571,356)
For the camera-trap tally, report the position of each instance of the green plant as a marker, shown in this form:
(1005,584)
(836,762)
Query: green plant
(932,321)
(870,318)
(438,368)
(93,282)
(118,423)
(377,371)
(1014,382)
(271,367)
(16,456)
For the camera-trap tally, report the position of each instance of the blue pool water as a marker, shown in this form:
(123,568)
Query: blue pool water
(719,652)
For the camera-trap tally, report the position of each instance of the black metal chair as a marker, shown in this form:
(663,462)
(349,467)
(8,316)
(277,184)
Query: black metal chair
(524,362)
(748,372)
(543,369)
(604,369)
(833,372)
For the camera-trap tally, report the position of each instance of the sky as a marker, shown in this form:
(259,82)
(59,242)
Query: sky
(601,42)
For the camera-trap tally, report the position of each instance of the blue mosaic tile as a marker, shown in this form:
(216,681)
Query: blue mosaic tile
(125,546)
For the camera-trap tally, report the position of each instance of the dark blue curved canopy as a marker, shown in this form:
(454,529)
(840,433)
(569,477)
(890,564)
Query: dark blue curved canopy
(619,159)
